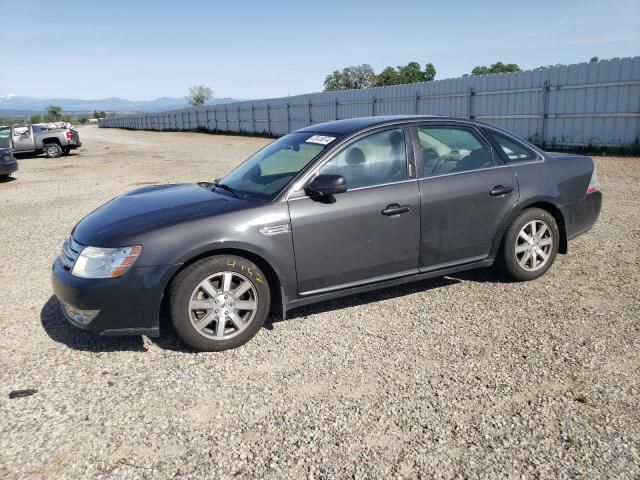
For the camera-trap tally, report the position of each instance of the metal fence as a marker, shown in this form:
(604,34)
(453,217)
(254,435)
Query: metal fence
(586,104)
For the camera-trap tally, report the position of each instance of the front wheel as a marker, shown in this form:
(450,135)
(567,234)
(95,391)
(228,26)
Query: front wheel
(530,245)
(53,150)
(219,303)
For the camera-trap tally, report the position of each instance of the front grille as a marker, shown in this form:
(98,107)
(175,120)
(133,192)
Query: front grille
(70,251)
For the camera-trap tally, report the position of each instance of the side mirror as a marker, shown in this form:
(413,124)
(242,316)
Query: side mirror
(327,185)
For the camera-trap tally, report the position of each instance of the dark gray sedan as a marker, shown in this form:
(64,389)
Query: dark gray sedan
(330,210)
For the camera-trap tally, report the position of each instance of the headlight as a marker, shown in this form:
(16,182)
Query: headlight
(94,262)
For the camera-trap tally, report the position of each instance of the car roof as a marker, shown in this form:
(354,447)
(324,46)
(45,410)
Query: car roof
(353,125)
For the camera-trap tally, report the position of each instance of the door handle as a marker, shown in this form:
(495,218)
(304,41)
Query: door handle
(395,209)
(500,190)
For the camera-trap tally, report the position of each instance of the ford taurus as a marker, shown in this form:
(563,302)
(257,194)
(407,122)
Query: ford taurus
(326,211)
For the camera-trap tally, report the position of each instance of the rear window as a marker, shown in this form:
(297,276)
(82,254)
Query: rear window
(514,151)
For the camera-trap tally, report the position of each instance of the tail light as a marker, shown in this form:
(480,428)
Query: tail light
(69,135)
(593,183)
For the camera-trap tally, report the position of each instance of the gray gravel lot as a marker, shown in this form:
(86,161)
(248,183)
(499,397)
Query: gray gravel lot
(465,376)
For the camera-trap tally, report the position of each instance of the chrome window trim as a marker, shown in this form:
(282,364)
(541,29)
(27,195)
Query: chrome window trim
(408,180)
(494,167)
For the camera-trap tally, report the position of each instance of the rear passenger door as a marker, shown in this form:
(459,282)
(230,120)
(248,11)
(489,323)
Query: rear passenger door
(465,192)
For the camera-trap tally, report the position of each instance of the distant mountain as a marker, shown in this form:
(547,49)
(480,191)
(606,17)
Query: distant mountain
(113,104)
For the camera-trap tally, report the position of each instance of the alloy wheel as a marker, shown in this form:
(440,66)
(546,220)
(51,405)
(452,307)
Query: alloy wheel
(533,245)
(223,305)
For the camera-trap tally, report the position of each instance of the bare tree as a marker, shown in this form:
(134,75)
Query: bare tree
(199,94)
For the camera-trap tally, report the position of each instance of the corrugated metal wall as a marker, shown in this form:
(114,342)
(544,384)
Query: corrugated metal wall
(584,104)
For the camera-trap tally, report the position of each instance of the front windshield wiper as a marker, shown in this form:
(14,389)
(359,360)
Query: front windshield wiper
(227,188)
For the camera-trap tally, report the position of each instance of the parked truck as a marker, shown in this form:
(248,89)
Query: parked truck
(53,142)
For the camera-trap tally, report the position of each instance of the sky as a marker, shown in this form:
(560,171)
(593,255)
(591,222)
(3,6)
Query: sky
(141,50)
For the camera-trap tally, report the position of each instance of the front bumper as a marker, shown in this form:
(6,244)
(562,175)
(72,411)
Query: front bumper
(7,167)
(128,305)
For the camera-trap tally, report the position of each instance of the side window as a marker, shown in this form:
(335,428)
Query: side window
(374,160)
(452,149)
(514,151)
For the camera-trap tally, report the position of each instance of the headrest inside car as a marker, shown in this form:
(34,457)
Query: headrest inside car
(355,156)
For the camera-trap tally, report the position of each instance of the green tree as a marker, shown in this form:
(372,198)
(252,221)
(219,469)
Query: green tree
(594,60)
(350,78)
(54,112)
(199,94)
(388,76)
(35,119)
(497,67)
(429,72)
(410,73)
(83,120)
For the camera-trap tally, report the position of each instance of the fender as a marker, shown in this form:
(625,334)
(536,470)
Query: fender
(283,270)
(545,202)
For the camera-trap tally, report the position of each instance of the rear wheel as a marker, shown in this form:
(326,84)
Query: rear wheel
(219,303)
(53,150)
(530,245)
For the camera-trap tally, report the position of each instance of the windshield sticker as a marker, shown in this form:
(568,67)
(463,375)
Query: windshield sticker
(320,139)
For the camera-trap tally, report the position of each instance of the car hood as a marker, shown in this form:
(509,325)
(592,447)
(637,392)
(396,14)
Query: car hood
(150,208)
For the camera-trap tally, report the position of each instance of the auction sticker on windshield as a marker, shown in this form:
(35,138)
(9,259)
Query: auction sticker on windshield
(320,139)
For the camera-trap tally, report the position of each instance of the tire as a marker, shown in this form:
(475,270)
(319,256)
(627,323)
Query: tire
(199,299)
(53,150)
(530,260)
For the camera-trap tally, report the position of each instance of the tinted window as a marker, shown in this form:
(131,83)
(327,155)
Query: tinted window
(452,149)
(373,160)
(514,151)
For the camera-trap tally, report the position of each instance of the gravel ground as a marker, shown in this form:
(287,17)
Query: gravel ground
(463,376)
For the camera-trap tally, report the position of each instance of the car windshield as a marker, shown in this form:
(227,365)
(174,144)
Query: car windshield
(269,170)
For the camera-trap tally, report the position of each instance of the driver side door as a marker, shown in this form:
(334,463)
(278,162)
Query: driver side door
(370,232)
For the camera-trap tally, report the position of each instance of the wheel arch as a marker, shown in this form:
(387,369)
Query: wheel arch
(55,140)
(274,280)
(544,204)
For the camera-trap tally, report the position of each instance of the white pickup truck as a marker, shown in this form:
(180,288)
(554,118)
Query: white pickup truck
(53,142)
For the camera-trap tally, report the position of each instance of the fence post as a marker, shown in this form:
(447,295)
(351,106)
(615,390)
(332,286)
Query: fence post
(253,118)
(206,118)
(545,111)
(336,109)
(470,106)
(288,118)
(269,118)
(309,112)
(226,119)
(215,119)
(373,106)
(415,109)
